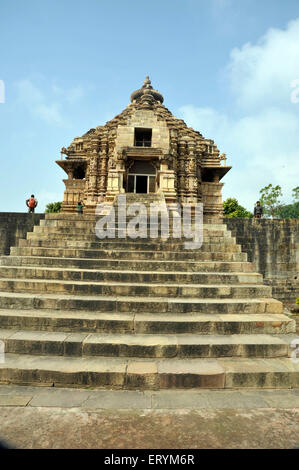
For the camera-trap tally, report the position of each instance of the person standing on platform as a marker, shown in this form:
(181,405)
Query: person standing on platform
(258,210)
(80,206)
(31,203)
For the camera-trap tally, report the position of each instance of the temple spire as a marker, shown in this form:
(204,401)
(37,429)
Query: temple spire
(147,89)
(147,83)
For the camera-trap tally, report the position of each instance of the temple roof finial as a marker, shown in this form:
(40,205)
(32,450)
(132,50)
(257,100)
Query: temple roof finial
(147,88)
(147,83)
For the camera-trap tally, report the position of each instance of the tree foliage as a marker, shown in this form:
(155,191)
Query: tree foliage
(53,207)
(273,207)
(295,192)
(231,208)
(289,211)
(270,200)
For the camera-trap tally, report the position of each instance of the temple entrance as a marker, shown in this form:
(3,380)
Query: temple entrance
(141,177)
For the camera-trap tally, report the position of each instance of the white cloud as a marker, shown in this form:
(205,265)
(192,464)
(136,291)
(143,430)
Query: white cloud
(35,101)
(49,107)
(71,95)
(260,132)
(261,74)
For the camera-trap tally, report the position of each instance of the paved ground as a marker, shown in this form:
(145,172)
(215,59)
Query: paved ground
(42,417)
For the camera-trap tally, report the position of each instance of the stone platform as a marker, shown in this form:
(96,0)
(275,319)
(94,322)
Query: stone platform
(57,418)
(139,314)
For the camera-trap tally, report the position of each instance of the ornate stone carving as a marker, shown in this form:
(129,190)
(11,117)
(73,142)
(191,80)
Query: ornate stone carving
(186,158)
(223,158)
(111,164)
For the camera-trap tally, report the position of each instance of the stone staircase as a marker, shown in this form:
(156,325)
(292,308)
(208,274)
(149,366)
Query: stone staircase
(139,314)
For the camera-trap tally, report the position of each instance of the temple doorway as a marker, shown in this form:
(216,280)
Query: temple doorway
(141,177)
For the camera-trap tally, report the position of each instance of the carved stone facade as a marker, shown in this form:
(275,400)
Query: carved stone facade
(143,149)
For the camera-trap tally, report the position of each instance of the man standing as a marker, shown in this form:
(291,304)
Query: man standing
(258,210)
(80,206)
(31,203)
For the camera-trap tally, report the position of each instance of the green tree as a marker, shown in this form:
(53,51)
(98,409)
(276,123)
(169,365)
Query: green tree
(53,207)
(231,208)
(295,192)
(270,200)
(289,211)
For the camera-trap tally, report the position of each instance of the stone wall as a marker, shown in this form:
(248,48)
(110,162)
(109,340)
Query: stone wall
(143,119)
(15,225)
(273,247)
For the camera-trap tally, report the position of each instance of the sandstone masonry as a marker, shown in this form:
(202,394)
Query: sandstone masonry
(273,247)
(144,149)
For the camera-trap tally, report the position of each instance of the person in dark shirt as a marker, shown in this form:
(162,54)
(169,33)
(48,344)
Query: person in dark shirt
(80,206)
(258,210)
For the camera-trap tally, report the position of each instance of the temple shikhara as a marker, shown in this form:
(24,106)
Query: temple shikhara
(144,149)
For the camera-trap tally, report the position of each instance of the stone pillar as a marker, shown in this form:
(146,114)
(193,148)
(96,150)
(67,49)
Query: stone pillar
(74,192)
(174,155)
(166,179)
(212,199)
(92,191)
(182,151)
(103,170)
(92,183)
(114,184)
(199,152)
(191,174)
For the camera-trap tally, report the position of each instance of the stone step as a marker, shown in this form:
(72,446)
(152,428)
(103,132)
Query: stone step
(92,288)
(124,304)
(88,230)
(150,217)
(225,255)
(89,220)
(129,276)
(135,265)
(104,245)
(80,223)
(145,313)
(153,323)
(130,231)
(124,245)
(214,237)
(129,373)
(144,345)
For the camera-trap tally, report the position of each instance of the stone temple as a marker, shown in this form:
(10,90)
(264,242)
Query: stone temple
(145,149)
(144,313)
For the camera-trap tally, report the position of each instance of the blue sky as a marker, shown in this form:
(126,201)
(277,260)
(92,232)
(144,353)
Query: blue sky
(227,67)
